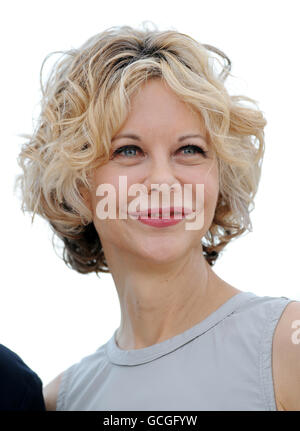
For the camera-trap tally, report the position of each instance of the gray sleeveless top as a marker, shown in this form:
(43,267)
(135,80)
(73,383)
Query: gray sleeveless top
(222,363)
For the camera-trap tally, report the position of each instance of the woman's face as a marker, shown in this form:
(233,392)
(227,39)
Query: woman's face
(159,118)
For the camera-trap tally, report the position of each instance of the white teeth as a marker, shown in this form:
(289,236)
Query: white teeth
(164,214)
(171,213)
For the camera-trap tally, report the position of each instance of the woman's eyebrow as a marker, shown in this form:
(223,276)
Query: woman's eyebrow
(137,138)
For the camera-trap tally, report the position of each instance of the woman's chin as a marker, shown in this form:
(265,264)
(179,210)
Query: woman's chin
(162,250)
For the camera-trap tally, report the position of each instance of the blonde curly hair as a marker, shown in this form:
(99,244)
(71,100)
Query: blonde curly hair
(85,101)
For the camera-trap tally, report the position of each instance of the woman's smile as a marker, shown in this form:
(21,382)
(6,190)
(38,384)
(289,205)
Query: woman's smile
(161,217)
(158,221)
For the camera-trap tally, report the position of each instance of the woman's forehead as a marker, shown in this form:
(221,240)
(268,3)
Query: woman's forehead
(155,109)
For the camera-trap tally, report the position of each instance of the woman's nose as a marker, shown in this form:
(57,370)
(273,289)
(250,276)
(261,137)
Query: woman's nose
(160,172)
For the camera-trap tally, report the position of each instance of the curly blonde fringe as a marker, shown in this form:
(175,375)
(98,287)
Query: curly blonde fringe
(85,101)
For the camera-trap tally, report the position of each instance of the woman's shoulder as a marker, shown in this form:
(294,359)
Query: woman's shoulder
(286,358)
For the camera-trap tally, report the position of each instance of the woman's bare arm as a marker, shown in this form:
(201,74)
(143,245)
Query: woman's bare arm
(286,357)
(50,393)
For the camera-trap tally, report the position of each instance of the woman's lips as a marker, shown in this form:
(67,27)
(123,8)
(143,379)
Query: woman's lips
(166,212)
(160,222)
(162,217)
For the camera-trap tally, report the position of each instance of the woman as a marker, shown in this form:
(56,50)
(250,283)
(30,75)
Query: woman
(187,339)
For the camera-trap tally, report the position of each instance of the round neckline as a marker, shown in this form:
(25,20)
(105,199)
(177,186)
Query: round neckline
(146,354)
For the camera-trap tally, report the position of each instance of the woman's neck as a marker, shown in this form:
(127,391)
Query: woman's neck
(157,305)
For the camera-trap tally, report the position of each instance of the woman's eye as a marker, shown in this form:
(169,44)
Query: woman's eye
(129,150)
(125,148)
(196,148)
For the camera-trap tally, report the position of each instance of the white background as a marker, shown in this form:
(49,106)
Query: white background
(52,316)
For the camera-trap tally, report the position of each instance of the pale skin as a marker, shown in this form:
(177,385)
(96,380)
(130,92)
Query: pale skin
(163,281)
